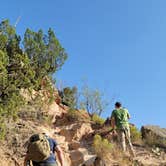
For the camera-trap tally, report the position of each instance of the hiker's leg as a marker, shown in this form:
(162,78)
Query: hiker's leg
(123,142)
(121,139)
(127,135)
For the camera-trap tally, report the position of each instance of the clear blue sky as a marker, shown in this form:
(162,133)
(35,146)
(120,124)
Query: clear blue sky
(118,45)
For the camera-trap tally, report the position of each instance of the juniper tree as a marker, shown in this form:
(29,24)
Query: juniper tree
(23,66)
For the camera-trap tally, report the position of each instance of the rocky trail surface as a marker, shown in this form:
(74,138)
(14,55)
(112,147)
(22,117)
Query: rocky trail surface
(75,136)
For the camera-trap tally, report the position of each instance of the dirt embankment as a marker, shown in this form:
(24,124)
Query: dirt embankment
(74,135)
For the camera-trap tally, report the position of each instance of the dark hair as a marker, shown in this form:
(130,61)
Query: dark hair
(118,104)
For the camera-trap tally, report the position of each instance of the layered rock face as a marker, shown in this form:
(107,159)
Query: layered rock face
(73,134)
(154,135)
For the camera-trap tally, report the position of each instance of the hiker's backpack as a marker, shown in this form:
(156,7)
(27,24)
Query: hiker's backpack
(38,148)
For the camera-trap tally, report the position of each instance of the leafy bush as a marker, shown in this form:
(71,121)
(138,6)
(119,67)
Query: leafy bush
(135,134)
(97,119)
(109,152)
(73,115)
(78,115)
(2,130)
(101,146)
(69,97)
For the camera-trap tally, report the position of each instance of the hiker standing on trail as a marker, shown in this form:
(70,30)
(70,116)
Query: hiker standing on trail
(119,119)
(34,155)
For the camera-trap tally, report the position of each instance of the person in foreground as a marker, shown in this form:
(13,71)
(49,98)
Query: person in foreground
(119,120)
(51,159)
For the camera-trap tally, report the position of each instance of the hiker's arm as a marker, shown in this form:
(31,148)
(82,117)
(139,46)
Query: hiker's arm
(113,120)
(59,154)
(113,123)
(128,115)
(25,160)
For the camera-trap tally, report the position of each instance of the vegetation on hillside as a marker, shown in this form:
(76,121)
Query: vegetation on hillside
(102,147)
(69,96)
(91,100)
(24,64)
(135,134)
(97,119)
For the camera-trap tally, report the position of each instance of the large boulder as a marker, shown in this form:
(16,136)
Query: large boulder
(66,159)
(81,157)
(154,135)
(74,145)
(94,161)
(55,111)
(76,131)
(77,157)
(90,161)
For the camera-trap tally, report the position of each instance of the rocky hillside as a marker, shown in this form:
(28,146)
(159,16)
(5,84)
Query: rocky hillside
(75,132)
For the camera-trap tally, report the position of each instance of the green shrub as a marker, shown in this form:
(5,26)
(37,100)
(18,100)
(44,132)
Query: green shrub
(101,146)
(78,115)
(97,119)
(69,97)
(73,115)
(135,134)
(2,130)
